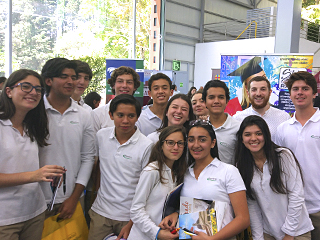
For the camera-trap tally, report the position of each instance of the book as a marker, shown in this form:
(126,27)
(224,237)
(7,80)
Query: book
(54,188)
(172,202)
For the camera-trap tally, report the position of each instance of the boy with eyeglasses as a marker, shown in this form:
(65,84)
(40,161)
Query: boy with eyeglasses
(71,139)
(123,80)
(123,152)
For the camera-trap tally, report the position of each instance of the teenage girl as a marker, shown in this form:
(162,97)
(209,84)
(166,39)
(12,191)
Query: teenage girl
(165,170)
(23,128)
(177,113)
(208,178)
(199,106)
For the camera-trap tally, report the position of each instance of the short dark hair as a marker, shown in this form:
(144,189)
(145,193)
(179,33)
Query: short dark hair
(54,67)
(125,99)
(36,121)
(173,87)
(207,126)
(215,84)
(123,70)
(308,78)
(258,79)
(91,97)
(2,79)
(157,77)
(83,67)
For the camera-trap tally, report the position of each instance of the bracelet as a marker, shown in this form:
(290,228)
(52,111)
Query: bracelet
(158,233)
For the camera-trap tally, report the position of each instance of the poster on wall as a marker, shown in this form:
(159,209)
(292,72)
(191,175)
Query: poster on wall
(237,70)
(136,64)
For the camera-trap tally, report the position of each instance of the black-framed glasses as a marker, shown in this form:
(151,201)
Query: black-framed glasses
(171,143)
(199,122)
(28,87)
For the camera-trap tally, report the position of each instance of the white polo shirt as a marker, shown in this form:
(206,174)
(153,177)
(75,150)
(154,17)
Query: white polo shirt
(154,137)
(273,117)
(274,213)
(71,144)
(83,104)
(120,167)
(304,142)
(226,139)
(18,154)
(101,117)
(148,122)
(215,182)
(148,201)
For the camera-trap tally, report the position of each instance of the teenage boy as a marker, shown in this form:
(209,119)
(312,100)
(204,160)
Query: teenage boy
(84,78)
(259,92)
(160,91)
(71,140)
(123,80)
(123,152)
(216,96)
(301,134)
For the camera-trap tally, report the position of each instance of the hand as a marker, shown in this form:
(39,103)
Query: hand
(68,207)
(124,233)
(199,236)
(167,235)
(288,237)
(47,173)
(169,222)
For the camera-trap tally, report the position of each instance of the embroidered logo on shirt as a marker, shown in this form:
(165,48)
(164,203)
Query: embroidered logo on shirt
(211,179)
(126,156)
(74,122)
(316,137)
(224,144)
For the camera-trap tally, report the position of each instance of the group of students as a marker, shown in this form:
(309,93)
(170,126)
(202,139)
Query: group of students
(143,155)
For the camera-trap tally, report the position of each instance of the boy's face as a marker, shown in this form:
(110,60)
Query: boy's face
(82,83)
(301,95)
(124,85)
(216,100)
(160,91)
(63,86)
(124,118)
(259,94)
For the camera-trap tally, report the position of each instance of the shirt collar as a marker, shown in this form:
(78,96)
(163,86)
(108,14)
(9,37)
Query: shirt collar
(256,113)
(72,107)
(314,118)
(81,101)
(227,124)
(215,162)
(149,113)
(133,139)
(6,122)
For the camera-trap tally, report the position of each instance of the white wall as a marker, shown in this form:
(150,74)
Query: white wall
(208,55)
(307,46)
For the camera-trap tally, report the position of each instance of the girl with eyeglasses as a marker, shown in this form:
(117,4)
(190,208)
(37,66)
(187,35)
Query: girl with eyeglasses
(272,176)
(23,128)
(165,170)
(178,112)
(208,178)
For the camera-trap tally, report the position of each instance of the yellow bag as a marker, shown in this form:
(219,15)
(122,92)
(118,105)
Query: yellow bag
(73,228)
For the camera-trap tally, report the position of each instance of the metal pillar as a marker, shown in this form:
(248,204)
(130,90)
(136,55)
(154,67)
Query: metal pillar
(8,43)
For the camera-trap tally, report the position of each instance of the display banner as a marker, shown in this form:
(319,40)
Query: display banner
(237,70)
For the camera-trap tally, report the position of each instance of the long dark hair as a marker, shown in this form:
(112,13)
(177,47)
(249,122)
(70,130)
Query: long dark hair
(208,127)
(36,121)
(184,97)
(180,166)
(245,161)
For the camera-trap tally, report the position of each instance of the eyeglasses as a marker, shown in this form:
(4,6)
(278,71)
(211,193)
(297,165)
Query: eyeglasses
(171,143)
(28,87)
(199,122)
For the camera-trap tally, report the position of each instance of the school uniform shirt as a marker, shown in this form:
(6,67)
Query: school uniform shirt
(148,122)
(83,104)
(120,167)
(154,137)
(18,154)
(274,213)
(148,202)
(304,142)
(101,117)
(71,145)
(273,117)
(226,139)
(215,182)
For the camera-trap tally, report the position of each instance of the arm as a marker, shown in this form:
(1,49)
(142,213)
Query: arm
(239,223)
(44,174)
(124,233)
(68,207)
(256,221)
